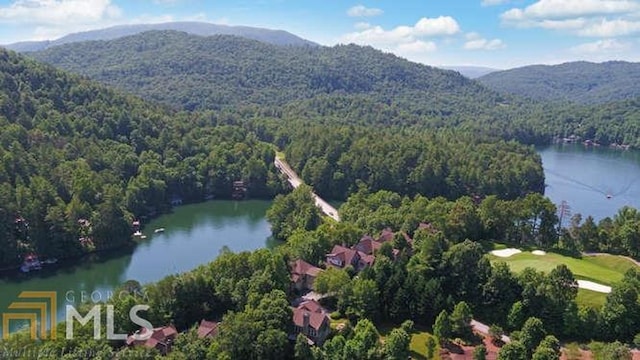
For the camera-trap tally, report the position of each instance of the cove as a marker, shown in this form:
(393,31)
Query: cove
(595,181)
(194,235)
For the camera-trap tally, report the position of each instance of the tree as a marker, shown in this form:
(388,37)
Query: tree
(480,352)
(431,346)
(516,316)
(496,333)
(361,299)
(461,321)
(532,333)
(514,350)
(332,281)
(442,327)
(396,346)
(293,211)
(302,350)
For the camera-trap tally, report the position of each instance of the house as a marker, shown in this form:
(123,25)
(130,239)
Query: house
(303,275)
(386,235)
(367,245)
(207,329)
(342,257)
(161,338)
(312,320)
(239,190)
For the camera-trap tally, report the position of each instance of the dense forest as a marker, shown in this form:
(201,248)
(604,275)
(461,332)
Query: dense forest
(72,151)
(345,84)
(194,72)
(579,82)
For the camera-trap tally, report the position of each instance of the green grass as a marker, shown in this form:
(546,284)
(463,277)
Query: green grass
(419,337)
(590,298)
(605,269)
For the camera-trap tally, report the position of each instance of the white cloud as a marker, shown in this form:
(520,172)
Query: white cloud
(477,42)
(58,12)
(597,47)
(425,27)
(417,47)
(558,9)
(494,2)
(610,28)
(442,25)
(362,25)
(363,11)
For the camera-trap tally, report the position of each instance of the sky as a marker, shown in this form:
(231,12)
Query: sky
(493,33)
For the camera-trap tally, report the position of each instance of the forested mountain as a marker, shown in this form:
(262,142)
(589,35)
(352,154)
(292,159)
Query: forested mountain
(579,82)
(194,72)
(276,37)
(78,162)
(345,84)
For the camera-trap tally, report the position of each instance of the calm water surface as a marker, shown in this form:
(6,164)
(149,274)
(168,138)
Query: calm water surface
(584,177)
(194,235)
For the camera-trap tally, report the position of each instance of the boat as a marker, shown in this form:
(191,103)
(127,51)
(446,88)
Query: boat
(137,233)
(609,196)
(159,230)
(31,262)
(143,236)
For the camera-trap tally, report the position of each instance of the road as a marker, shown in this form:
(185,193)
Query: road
(484,329)
(295,181)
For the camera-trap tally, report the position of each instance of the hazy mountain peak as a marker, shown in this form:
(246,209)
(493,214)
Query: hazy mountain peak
(276,37)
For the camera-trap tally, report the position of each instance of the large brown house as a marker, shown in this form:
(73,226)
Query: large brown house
(311,319)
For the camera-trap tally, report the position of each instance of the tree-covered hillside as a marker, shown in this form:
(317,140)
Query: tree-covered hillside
(579,82)
(79,162)
(193,72)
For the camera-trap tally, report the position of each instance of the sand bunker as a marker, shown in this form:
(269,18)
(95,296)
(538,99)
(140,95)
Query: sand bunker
(504,253)
(590,285)
(539,252)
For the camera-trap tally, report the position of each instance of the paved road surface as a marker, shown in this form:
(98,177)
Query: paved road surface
(295,181)
(484,329)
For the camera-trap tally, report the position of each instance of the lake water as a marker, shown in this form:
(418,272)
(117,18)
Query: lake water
(585,178)
(194,235)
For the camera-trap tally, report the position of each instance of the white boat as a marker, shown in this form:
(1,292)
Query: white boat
(159,230)
(143,237)
(137,233)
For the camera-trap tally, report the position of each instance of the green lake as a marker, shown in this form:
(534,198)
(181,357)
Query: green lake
(194,235)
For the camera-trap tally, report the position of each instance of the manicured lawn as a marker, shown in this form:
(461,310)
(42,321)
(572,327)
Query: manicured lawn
(590,298)
(605,269)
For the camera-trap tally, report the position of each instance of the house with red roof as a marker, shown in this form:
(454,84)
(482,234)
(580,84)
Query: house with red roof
(207,329)
(161,338)
(303,275)
(312,320)
(341,257)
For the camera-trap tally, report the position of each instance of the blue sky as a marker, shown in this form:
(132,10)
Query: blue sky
(494,33)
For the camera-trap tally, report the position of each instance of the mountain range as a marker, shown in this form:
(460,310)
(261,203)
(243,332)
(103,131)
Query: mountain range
(578,82)
(276,37)
(195,72)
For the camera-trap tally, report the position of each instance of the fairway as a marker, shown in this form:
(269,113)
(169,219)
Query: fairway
(603,269)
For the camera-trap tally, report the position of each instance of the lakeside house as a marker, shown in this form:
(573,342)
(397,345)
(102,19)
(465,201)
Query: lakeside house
(311,320)
(161,338)
(303,275)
